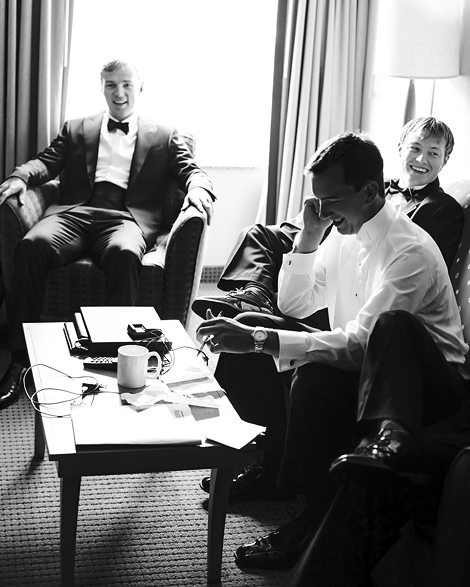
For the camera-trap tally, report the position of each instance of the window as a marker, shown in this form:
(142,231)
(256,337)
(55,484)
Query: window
(206,64)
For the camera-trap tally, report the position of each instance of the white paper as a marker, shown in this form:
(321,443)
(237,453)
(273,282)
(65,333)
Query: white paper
(160,424)
(230,431)
(186,367)
(206,385)
(193,373)
(150,395)
(158,391)
(200,402)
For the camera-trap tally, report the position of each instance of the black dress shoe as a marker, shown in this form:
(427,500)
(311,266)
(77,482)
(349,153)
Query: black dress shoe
(234,303)
(10,385)
(390,453)
(253,483)
(279,549)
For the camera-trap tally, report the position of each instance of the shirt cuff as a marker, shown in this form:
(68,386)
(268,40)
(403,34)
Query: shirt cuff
(298,263)
(293,348)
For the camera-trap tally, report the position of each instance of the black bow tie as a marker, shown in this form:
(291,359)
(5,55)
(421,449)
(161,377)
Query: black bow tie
(114,124)
(394,188)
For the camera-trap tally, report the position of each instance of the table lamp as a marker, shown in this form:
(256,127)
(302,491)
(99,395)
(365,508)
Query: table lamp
(417,39)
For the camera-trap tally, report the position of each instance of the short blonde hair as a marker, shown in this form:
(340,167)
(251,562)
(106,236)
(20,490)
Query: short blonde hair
(430,127)
(117,64)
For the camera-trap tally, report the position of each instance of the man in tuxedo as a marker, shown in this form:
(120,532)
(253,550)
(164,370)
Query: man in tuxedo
(113,168)
(381,395)
(251,273)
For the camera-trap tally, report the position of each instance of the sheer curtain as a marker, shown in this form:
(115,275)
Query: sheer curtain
(317,91)
(34,46)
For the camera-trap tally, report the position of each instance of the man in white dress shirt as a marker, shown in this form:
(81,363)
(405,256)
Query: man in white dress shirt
(113,168)
(387,373)
(250,275)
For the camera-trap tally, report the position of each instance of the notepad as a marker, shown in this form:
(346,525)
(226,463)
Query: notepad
(160,424)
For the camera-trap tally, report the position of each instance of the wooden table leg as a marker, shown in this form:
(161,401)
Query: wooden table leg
(39,441)
(69,498)
(221,480)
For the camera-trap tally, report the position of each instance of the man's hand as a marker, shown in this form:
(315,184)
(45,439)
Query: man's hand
(225,335)
(13,186)
(314,227)
(200,199)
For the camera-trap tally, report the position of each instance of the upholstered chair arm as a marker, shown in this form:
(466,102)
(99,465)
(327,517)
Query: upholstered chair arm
(183,262)
(16,221)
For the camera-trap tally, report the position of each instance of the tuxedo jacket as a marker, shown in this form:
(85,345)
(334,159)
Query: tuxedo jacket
(159,153)
(440,215)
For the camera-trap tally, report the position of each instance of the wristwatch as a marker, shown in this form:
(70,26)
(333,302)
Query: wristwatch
(259,335)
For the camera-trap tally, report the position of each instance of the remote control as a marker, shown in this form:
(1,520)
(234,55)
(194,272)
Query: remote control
(108,363)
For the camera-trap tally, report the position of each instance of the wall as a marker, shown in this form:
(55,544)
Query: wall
(384,108)
(238,190)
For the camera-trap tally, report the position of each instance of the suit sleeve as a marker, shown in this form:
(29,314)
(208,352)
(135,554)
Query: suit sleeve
(443,219)
(47,164)
(184,168)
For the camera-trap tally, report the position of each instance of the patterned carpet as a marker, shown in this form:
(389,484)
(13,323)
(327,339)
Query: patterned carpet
(133,531)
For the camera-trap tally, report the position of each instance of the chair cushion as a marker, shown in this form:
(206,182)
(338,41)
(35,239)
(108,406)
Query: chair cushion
(68,287)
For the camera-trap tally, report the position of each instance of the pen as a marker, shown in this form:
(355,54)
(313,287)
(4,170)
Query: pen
(207,338)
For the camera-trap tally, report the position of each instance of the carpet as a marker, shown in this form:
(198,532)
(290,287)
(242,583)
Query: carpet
(133,530)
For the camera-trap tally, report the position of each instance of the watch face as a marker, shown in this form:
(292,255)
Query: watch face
(260,335)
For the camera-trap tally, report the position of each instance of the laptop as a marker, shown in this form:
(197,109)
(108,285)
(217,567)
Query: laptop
(106,327)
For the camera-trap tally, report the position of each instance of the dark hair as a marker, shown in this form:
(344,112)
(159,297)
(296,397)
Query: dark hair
(359,156)
(429,127)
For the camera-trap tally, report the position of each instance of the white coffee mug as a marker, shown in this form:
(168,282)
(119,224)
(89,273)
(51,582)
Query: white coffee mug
(133,365)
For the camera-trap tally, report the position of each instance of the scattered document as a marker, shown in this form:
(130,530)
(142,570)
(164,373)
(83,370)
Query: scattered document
(160,424)
(233,431)
(207,385)
(157,391)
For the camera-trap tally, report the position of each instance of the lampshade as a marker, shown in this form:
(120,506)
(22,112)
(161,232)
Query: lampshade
(418,39)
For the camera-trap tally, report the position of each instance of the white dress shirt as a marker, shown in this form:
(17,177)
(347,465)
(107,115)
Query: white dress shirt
(115,152)
(406,206)
(390,264)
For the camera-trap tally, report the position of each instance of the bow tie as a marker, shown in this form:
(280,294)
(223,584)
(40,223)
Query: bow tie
(114,124)
(394,188)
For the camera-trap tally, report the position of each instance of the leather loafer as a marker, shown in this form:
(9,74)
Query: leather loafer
(279,549)
(253,483)
(10,385)
(389,454)
(233,303)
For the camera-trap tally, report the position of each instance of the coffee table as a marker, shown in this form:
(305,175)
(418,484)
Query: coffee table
(46,345)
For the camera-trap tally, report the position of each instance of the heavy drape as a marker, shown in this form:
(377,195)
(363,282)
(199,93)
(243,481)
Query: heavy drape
(34,47)
(317,91)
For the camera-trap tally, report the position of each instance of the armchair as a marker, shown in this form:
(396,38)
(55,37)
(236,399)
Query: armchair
(171,270)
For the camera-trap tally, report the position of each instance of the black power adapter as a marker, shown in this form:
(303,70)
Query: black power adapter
(153,338)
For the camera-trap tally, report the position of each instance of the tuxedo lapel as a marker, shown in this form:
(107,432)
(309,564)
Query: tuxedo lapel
(91,134)
(145,138)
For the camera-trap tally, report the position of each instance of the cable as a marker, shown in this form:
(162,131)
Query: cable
(87,389)
(159,337)
(204,357)
(95,387)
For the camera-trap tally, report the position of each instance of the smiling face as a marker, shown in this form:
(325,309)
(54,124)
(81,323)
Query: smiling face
(121,88)
(421,159)
(345,206)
